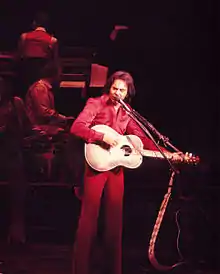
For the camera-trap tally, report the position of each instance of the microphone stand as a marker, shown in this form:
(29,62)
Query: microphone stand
(143,123)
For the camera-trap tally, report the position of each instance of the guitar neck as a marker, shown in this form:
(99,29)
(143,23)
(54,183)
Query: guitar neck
(155,154)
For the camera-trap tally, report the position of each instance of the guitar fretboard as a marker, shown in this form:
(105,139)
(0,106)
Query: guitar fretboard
(155,154)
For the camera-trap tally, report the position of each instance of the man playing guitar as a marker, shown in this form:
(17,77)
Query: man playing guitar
(107,111)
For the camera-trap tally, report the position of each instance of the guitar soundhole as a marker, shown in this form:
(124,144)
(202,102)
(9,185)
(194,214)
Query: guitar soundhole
(127,150)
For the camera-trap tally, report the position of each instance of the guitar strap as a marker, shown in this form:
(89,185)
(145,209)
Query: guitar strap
(153,239)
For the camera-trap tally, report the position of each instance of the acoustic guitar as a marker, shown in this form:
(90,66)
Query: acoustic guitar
(128,152)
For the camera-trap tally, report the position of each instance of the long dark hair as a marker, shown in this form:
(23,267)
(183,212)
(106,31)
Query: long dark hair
(50,70)
(125,76)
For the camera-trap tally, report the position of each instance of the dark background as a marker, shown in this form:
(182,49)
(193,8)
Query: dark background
(171,49)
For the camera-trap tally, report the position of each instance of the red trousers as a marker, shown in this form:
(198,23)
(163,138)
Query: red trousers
(112,182)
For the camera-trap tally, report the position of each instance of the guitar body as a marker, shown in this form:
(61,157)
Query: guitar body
(126,153)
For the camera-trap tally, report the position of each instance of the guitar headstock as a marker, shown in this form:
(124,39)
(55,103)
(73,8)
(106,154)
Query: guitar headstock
(189,158)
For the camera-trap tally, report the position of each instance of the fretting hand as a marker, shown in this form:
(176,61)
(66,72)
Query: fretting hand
(177,157)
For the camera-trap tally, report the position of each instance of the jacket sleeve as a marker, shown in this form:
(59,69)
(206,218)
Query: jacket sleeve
(42,107)
(81,126)
(134,128)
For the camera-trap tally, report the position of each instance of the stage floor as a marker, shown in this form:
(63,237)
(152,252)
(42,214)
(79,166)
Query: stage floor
(56,259)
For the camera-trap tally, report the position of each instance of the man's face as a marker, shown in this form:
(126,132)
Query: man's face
(119,89)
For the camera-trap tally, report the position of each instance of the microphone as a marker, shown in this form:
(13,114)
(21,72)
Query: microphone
(123,104)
